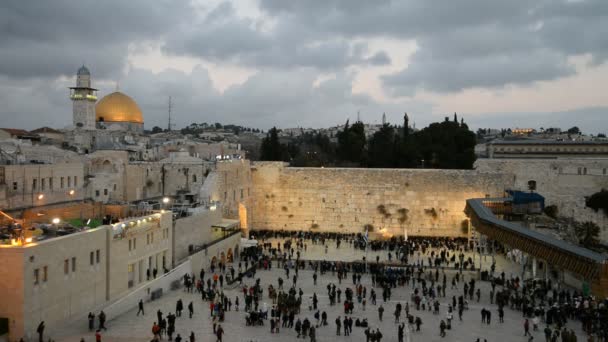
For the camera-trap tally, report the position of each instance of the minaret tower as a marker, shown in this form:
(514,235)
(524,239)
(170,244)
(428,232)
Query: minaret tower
(83,100)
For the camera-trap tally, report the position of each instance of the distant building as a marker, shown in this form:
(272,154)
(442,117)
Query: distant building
(546,149)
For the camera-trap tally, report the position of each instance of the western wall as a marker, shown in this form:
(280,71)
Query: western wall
(423,202)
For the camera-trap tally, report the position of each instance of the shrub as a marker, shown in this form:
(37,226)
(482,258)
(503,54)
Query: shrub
(403,215)
(431,212)
(314,226)
(598,200)
(551,211)
(368,227)
(587,234)
(284,208)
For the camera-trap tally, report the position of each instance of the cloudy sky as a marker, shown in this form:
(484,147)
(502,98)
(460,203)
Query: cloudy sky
(312,63)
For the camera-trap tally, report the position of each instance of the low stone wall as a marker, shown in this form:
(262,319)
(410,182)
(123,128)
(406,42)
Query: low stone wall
(130,301)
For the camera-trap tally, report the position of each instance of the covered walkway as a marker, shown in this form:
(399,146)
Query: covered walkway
(586,263)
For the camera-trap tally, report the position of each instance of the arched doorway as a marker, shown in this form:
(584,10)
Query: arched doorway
(229,255)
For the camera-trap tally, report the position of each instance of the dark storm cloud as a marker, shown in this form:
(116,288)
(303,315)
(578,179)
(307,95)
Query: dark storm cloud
(51,38)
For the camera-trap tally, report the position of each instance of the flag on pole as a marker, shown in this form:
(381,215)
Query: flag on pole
(366,237)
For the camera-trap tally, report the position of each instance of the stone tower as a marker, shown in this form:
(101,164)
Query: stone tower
(83,100)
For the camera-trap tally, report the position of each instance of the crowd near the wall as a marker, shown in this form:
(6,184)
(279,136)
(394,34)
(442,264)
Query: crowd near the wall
(426,267)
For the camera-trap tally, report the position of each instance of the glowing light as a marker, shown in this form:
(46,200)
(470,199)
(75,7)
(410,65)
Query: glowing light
(123,225)
(88,221)
(56,220)
(28,240)
(166,200)
(213,207)
(40,196)
(14,242)
(72,192)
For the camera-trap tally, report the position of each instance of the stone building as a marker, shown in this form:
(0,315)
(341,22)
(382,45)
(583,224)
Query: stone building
(536,148)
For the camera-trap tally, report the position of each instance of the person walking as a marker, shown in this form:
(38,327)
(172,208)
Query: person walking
(40,331)
(91,318)
(338,326)
(140,308)
(527,328)
(98,336)
(380,312)
(191,309)
(219,332)
(102,321)
(400,332)
(442,327)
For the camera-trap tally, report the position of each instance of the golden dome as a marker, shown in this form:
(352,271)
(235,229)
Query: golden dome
(118,107)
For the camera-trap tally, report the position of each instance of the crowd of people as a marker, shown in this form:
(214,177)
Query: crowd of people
(427,269)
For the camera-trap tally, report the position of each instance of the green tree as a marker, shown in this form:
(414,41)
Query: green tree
(156,129)
(271,149)
(587,234)
(598,201)
(351,143)
(382,148)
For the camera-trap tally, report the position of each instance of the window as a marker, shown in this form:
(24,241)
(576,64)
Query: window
(193,178)
(43,184)
(66,266)
(96,193)
(604,171)
(61,182)
(91,260)
(105,192)
(152,237)
(97,256)
(73,264)
(34,184)
(580,170)
(225,196)
(129,245)
(36,276)
(45,273)
(75,181)
(234,195)
(115,186)
(16,186)
(242,194)
(51,183)
(584,170)
(147,239)
(134,243)
(69,182)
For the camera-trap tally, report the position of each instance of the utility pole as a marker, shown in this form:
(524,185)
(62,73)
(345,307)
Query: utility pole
(169,125)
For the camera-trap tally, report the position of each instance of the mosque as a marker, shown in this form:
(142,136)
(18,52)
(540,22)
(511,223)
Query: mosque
(116,111)
(115,122)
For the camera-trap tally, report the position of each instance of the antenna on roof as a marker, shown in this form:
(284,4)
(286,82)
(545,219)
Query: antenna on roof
(117,85)
(358,116)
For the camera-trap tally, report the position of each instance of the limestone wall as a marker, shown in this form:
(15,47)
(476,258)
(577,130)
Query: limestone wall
(230,184)
(423,202)
(194,230)
(563,182)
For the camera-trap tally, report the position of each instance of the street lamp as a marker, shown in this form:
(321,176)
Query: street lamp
(56,220)
(166,200)
(40,196)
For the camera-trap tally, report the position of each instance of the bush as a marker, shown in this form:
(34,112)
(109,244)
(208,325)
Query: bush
(431,212)
(598,200)
(551,211)
(464,226)
(403,215)
(368,227)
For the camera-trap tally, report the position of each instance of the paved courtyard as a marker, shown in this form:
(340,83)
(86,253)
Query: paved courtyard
(129,327)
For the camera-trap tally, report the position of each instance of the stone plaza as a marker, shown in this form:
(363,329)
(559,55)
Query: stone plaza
(130,327)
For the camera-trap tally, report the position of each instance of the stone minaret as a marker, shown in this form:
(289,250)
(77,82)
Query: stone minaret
(83,100)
